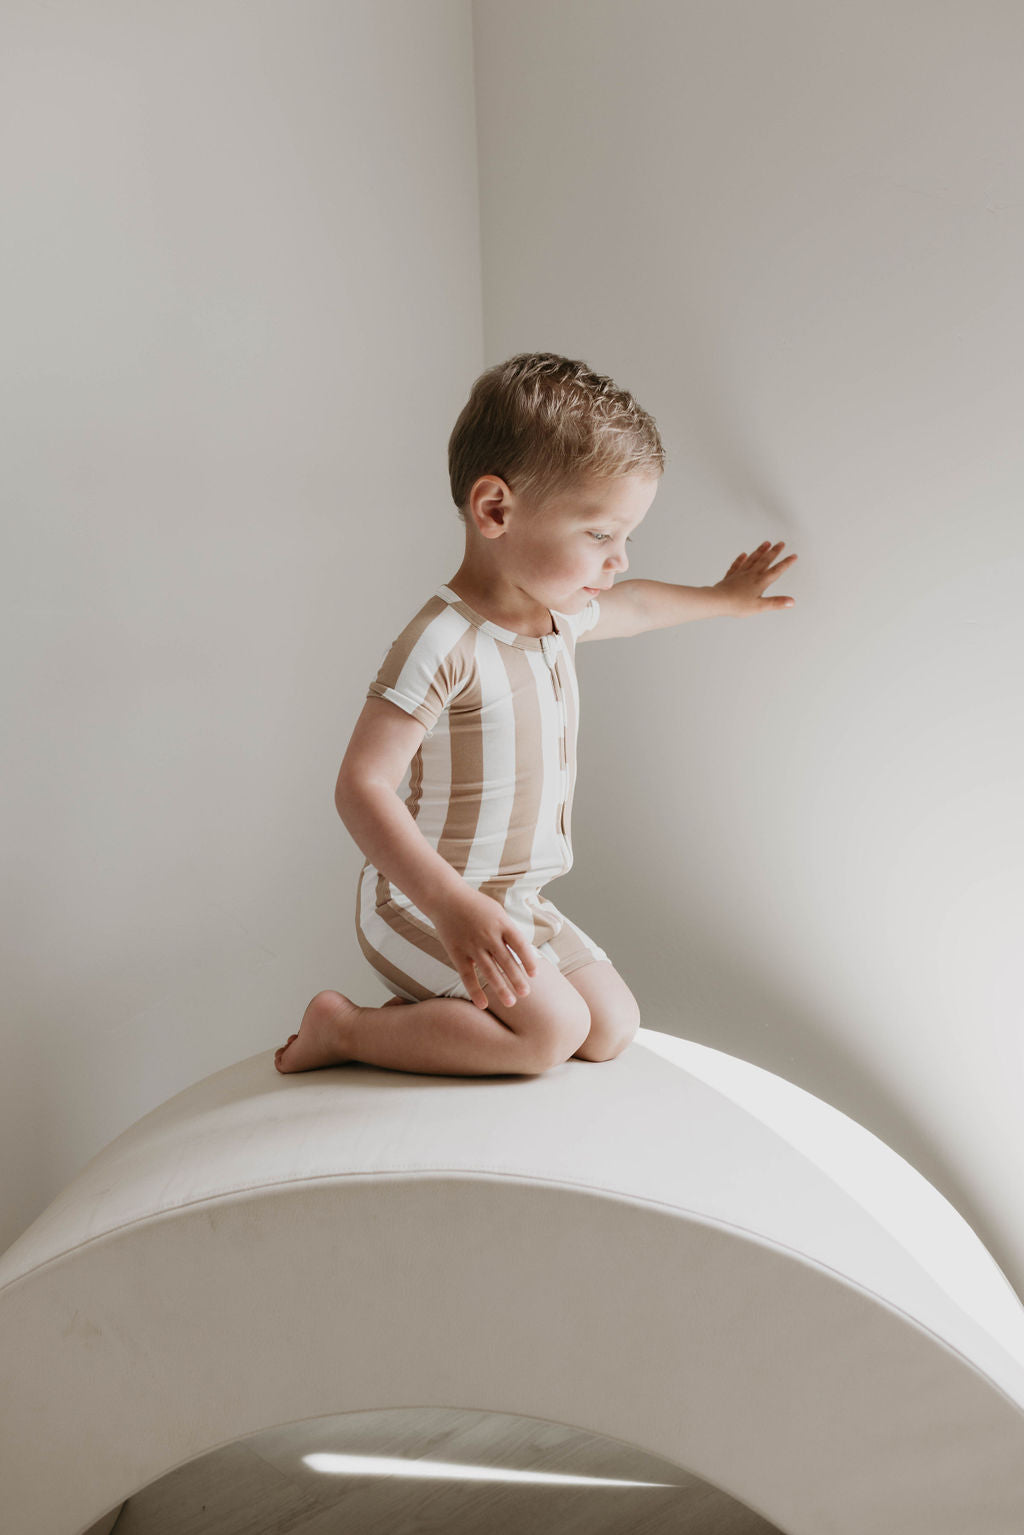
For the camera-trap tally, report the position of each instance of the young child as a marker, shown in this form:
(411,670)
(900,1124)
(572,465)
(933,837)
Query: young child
(552,468)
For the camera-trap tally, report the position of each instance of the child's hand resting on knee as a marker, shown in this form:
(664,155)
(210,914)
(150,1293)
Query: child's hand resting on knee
(478,935)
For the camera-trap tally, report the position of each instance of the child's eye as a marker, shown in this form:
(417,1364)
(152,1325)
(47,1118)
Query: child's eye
(602,536)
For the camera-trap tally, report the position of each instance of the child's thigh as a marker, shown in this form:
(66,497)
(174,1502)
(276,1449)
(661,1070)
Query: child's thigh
(554,1017)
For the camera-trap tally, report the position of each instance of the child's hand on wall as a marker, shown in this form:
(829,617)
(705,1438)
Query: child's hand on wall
(744,582)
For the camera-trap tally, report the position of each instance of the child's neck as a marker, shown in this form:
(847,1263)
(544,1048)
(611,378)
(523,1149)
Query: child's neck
(482,602)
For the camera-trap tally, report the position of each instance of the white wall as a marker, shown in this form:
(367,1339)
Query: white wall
(241,293)
(795,230)
(242,285)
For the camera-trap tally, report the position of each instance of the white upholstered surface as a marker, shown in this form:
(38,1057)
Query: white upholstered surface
(672,1248)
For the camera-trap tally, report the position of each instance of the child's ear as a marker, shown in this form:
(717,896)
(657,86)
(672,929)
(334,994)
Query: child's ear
(489,504)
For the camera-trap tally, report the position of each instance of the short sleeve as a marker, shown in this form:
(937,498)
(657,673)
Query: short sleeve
(579,623)
(427,665)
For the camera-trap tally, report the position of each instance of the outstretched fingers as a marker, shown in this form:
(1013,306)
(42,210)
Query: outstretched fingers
(760,563)
(761,556)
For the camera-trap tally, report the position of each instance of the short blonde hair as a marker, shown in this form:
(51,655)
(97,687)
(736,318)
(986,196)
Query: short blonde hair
(544,423)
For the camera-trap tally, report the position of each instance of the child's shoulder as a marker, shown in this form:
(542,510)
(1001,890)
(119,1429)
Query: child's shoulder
(424,620)
(429,661)
(433,633)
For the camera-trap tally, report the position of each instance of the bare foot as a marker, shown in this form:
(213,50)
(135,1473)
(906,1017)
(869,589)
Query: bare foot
(321,1037)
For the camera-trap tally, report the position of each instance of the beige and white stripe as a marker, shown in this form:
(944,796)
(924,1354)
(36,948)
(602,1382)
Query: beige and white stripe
(491,786)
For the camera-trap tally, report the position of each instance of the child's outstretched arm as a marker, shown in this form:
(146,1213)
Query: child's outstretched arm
(633,606)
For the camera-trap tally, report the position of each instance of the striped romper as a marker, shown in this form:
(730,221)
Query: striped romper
(490,787)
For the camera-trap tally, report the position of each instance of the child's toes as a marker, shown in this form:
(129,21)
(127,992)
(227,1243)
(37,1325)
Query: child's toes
(282,1048)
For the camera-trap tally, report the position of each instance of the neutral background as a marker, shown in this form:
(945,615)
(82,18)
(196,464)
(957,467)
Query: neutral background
(254,256)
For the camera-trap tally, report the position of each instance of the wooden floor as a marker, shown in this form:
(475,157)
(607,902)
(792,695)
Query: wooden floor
(262,1487)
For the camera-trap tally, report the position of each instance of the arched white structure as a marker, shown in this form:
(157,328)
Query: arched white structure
(673,1248)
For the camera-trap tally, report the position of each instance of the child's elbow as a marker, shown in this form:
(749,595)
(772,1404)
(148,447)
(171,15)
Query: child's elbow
(341,793)
(347,791)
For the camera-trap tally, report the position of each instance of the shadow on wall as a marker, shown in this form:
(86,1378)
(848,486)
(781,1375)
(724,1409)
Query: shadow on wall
(723,434)
(724,1000)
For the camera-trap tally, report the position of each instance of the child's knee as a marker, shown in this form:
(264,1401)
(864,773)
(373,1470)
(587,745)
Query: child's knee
(613,1028)
(566,1028)
(553,1021)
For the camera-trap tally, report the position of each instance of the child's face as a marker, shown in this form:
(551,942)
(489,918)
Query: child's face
(572,548)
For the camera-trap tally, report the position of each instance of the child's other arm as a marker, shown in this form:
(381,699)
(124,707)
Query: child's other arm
(474,928)
(633,606)
(383,743)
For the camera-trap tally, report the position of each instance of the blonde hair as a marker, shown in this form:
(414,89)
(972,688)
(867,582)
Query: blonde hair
(544,423)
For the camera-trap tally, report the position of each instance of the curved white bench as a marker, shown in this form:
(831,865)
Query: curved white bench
(674,1248)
